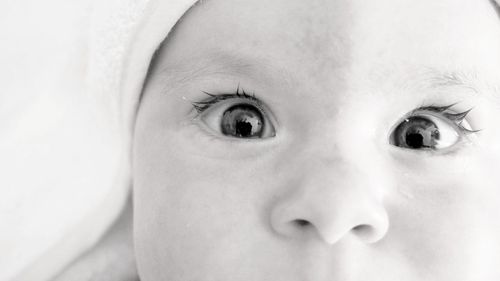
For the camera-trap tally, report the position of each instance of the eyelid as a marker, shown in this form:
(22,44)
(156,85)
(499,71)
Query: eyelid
(213,99)
(456,118)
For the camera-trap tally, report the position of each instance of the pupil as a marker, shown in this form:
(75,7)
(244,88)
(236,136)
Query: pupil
(416,132)
(415,140)
(243,128)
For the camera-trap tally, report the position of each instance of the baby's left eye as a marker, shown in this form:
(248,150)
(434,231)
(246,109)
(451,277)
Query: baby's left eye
(431,129)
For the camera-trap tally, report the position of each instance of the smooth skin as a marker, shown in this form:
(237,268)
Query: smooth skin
(328,197)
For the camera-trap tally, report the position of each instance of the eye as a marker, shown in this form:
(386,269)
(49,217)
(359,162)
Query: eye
(430,129)
(235,115)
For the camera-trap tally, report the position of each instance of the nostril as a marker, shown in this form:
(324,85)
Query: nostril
(361,228)
(366,232)
(302,223)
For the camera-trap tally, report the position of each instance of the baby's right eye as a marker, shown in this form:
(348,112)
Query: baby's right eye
(236,115)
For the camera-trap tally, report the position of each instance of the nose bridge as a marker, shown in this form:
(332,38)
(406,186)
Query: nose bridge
(336,183)
(342,159)
(346,137)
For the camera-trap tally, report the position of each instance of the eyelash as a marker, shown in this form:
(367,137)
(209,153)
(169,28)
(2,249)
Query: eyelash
(201,106)
(455,118)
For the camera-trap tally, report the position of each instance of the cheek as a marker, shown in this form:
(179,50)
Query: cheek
(197,213)
(444,215)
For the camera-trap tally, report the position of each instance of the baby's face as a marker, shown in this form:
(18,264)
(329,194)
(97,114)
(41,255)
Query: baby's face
(322,140)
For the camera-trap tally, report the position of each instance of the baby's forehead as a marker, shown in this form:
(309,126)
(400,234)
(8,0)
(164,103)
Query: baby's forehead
(425,43)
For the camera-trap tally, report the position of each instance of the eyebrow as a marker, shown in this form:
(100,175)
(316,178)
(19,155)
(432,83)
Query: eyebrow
(223,63)
(241,67)
(440,80)
(471,81)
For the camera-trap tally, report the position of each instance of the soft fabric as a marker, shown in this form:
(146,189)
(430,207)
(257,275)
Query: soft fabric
(71,74)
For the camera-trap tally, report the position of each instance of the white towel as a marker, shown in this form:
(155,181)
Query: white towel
(70,76)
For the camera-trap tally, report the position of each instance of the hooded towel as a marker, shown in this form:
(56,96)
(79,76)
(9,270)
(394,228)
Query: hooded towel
(71,73)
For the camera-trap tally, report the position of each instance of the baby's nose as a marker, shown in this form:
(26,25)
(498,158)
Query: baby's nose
(331,203)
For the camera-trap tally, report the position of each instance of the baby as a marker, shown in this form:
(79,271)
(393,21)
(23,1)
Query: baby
(322,140)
